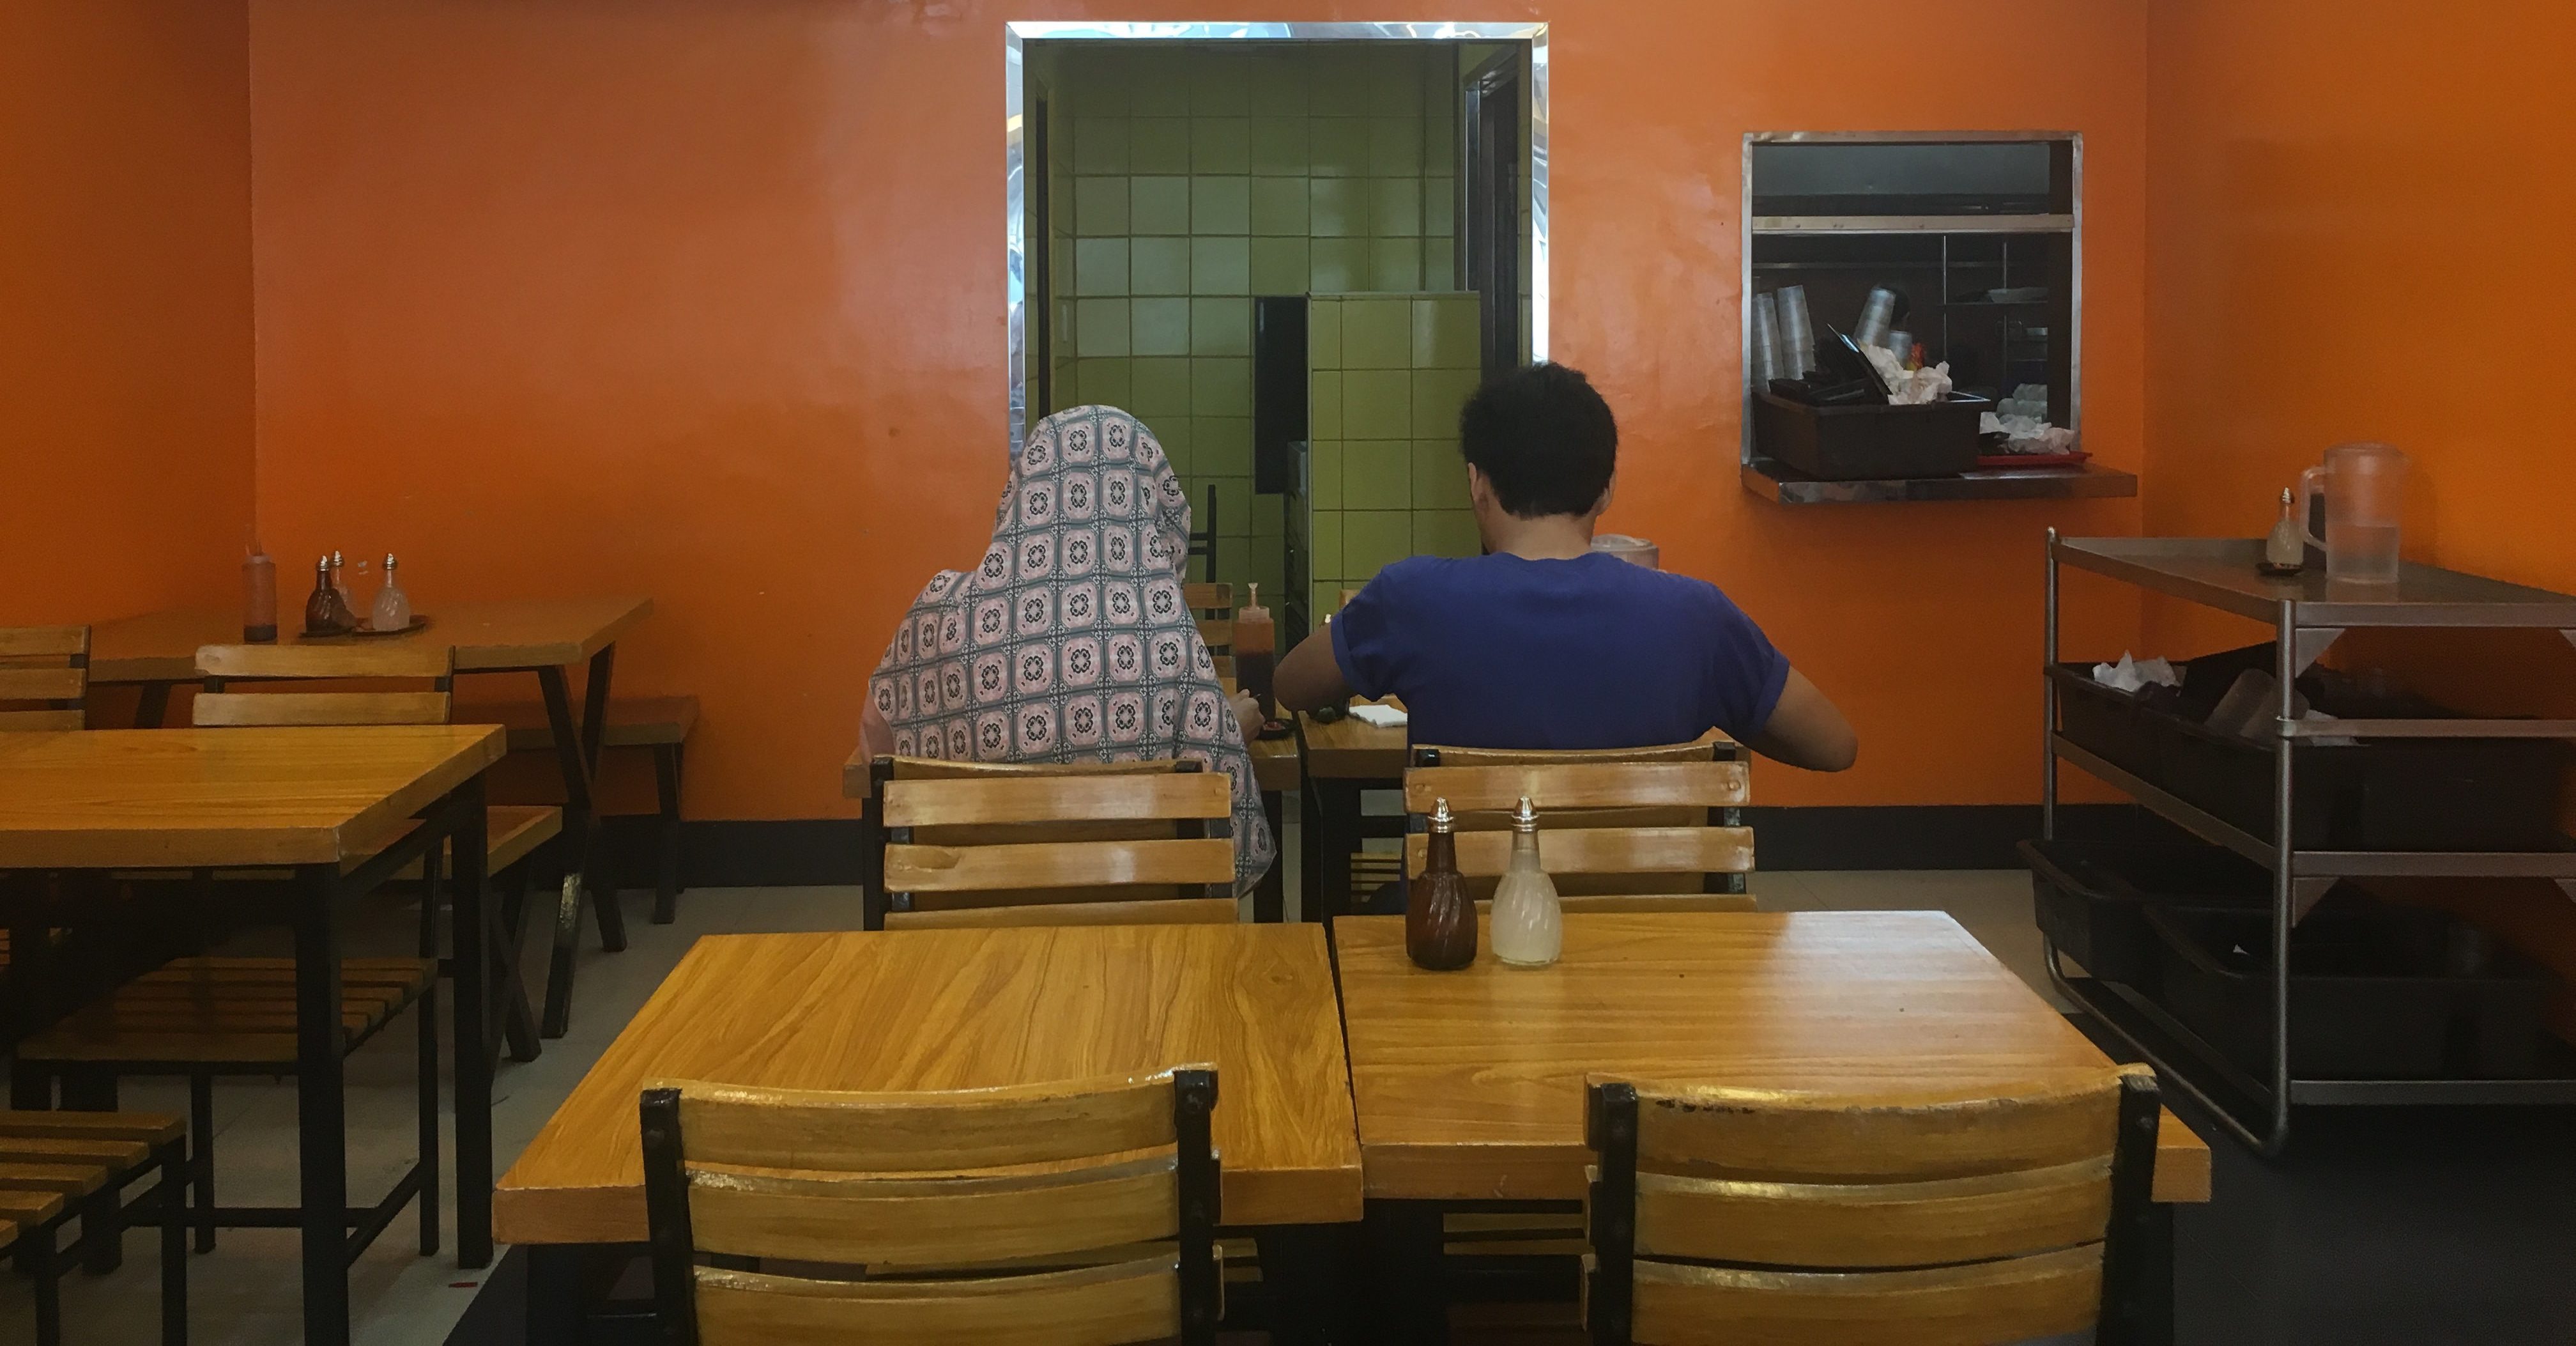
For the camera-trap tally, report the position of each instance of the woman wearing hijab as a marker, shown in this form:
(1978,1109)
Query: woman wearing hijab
(1070,641)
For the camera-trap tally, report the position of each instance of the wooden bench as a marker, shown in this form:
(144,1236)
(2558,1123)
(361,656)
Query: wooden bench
(59,1166)
(660,724)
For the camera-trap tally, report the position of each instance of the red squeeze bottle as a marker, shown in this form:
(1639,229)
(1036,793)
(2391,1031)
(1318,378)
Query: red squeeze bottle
(1256,642)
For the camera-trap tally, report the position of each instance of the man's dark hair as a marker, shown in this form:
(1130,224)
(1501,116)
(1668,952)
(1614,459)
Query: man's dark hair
(1543,437)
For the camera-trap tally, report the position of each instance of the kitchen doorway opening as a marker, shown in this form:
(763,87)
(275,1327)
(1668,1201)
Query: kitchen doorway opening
(1292,251)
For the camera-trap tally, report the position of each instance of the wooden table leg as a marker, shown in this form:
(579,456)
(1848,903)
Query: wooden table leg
(321,1117)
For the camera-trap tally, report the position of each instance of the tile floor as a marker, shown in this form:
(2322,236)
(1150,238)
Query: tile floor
(2447,1228)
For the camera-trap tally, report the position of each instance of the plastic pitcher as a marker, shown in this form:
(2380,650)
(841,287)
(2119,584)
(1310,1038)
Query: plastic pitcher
(2365,491)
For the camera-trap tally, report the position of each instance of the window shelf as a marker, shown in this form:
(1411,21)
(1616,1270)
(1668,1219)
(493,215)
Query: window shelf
(1776,482)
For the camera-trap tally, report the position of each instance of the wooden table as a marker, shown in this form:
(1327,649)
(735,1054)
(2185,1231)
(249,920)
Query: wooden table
(1469,1084)
(965,1008)
(311,799)
(540,636)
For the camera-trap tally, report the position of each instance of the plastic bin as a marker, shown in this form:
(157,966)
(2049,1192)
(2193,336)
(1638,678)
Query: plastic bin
(2391,794)
(1870,441)
(2376,992)
(2090,898)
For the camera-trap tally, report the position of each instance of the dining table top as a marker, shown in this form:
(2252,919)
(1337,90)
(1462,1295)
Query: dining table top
(198,798)
(492,636)
(1470,1084)
(975,1008)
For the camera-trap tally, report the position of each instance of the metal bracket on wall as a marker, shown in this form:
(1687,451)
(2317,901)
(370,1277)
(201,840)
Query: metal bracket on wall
(2304,895)
(2309,643)
(2567,886)
(2570,636)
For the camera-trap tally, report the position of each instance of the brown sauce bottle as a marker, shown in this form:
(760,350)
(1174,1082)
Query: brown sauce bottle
(1439,918)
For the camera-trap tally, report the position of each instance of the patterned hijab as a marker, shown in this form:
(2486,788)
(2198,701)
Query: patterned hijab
(1070,641)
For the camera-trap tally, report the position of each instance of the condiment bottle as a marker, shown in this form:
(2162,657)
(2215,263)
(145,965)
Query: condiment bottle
(1256,640)
(324,613)
(1439,918)
(2286,550)
(259,597)
(1528,923)
(340,585)
(393,606)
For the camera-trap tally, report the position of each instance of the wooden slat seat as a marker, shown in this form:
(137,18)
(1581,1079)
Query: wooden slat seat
(636,722)
(661,724)
(57,1166)
(236,1013)
(44,678)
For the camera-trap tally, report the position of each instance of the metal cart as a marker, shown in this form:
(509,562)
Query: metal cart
(2307,615)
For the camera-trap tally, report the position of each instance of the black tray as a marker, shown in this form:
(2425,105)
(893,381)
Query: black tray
(1870,441)
(2376,992)
(2090,898)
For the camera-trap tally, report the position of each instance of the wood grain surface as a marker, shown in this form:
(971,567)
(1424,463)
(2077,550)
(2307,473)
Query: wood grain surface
(510,634)
(147,798)
(975,1008)
(1469,1084)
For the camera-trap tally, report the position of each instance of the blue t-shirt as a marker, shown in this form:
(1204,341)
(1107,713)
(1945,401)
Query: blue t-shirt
(1593,652)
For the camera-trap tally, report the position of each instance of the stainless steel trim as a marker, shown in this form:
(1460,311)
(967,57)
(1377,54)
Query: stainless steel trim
(1768,480)
(2207,826)
(1015,201)
(2430,729)
(1912,224)
(2048,699)
(2219,573)
(1901,137)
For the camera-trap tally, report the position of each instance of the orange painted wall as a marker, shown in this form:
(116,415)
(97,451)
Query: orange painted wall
(706,300)
(2358,229)
(125,306)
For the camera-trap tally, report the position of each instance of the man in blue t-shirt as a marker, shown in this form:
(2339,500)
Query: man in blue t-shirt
(1543,642)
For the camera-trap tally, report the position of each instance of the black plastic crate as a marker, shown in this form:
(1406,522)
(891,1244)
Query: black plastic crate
(2376,992)
(1870,440)
(2090,898)
(2389,794)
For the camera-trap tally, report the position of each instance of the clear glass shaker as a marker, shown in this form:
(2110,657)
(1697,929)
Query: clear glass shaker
(392,611)
(1528,923)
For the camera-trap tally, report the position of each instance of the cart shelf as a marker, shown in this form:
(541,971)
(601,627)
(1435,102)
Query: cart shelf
(2306,613)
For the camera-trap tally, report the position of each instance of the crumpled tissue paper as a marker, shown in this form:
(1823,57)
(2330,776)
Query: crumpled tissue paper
(2131,675)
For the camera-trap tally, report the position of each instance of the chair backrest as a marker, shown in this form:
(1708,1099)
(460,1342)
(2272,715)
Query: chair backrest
(44,677)
(1212,605)
(372,661)
(1727,1214)
(1063,1213)
(1098,843)
(1650,834)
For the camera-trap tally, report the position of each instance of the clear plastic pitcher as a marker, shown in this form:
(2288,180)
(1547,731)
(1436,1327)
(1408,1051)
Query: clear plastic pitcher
(2365,490)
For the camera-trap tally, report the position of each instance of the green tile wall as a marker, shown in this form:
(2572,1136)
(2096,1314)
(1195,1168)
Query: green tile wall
(1388,375)
(1188,179)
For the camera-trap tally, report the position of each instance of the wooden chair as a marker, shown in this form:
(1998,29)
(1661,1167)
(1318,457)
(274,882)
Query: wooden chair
(205,1016)
(658,724)
(59,1166)
(44,677)
(1064,844)
(1058,1214)
(1757,1215)
(1212,605)
(1644,833)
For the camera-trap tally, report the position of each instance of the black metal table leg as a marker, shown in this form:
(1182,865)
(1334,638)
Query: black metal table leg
(1310,851)
(555,1276)
(1341,836)
(467,928)
(1270,898)
(153,707)
(1305,1282)
(1408,1302)
(577,754)
(320,1108)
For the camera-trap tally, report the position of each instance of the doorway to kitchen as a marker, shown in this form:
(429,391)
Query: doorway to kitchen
(1292,251)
